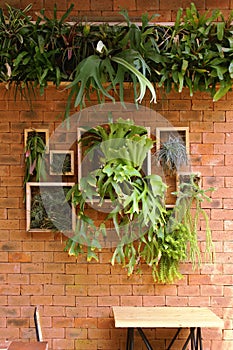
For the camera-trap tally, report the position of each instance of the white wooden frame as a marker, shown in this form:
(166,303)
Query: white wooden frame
(63,153)
(45,131)
(29,187)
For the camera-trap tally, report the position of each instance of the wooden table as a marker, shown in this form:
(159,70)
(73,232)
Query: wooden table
(193,318)
(19,345)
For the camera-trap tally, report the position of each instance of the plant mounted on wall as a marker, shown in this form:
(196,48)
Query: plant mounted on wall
(34,156)
(172,154)
(144,229)
(195,52)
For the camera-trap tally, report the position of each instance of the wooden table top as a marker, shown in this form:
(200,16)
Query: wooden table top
(169,317)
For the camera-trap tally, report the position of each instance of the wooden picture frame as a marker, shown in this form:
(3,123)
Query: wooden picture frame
(81,172)
(44,133)
(61,162)
(185,176)
(46,200)
(162,135)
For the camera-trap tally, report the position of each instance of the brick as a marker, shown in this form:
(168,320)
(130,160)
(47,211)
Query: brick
(223,170)
(19,279)
(78,290)
(10,267)
(207,290)
(214,116)
(54,290)
(32,290)
(62,279)
(121,290)
(223,214)
(103,334)
(202,127)
(202,149)
(199,301)
(155,300)
(223,149)
(36,278)
(63,343)
(143,290)
(53,267)
(176,301)
(190,116)
(17,322)
(223,105)
(131,300)
(42,257)
(200,106)
(108,300)
(98,4)
(98,290)
(32,268)
(179,105)
(214,137)
(228,160)
(68,300)
(223,127)
(119,4)
(18,300)
(19,257)
(212,160)
(76,268)
(9,290)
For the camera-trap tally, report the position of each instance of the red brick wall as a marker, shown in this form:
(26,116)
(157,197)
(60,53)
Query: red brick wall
(76,297)
(92,9)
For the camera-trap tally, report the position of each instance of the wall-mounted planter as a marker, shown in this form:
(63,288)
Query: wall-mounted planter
(61,162)
(43,133)
(47,209)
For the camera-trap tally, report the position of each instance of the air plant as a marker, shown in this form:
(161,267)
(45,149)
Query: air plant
(172,154)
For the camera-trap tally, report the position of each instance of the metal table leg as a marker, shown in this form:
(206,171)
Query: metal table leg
(130,339)
(144,338)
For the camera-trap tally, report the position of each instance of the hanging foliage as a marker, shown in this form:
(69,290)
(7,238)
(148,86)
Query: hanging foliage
(196,52)
(143,229)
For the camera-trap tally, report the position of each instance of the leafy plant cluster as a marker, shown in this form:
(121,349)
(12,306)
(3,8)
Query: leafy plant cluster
(145,230)
(196,52)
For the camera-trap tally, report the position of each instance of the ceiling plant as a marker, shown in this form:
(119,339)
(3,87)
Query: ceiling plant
(138,225)
(195,53)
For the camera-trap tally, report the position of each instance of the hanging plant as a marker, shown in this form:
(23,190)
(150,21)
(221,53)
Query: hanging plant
(146,231)
(34,157)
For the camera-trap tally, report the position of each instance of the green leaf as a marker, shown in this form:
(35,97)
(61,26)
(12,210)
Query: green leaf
(220,30)
(143,81)
(221,92)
